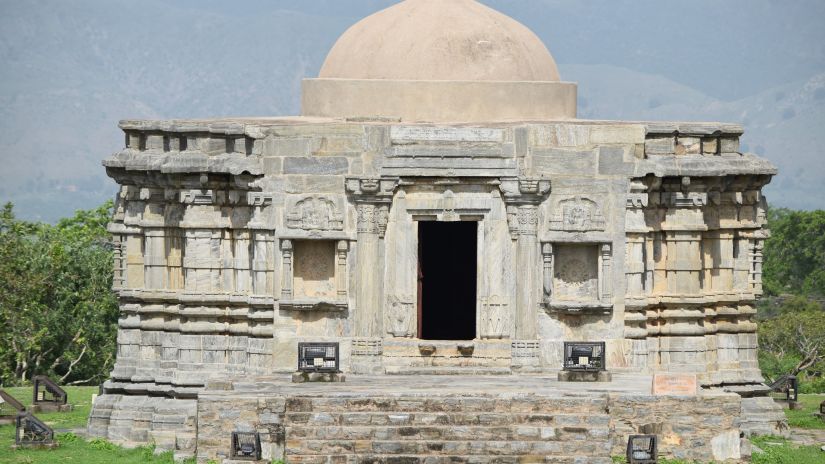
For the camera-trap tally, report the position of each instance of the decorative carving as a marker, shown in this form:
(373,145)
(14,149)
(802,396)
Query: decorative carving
(523,220)
(372,218)
(367,347)
(400,315)
(525,349)
(495,317)
(198,197)
(259,199)
(315,213)
(524,190)
(577,214)
(685,200)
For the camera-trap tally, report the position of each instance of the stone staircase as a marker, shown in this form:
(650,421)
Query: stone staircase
(471,429)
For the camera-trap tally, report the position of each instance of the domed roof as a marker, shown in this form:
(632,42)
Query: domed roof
(440,40)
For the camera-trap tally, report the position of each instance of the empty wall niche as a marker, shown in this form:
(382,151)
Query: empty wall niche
(315,275)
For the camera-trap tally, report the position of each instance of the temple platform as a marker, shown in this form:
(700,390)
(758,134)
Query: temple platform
(478,419)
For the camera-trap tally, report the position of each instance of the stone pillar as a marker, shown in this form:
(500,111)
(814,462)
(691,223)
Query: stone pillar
(522,197)
(369,315)
(372,198)
(526,260)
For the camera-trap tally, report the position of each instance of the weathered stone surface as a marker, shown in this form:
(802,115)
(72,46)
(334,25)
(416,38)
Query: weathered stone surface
(317,166)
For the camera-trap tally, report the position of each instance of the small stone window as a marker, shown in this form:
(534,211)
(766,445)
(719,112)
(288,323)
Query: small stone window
(314,275)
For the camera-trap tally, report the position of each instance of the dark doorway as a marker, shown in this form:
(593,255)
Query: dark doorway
(447,280)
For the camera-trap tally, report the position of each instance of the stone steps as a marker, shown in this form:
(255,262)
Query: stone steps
(450,429)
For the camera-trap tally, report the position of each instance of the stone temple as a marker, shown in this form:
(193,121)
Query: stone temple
(439,211)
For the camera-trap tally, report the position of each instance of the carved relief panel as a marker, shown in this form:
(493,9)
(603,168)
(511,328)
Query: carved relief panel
(315,214)
(401,316)
(577,214)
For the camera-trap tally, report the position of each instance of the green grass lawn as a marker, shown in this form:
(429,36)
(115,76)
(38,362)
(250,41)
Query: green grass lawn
(72,449)
(804,418)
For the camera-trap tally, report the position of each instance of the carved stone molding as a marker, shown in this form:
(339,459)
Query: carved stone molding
(198,197)
(372,197)
(685,200)
(314,213)
(523,220)
(577,214)
(524,190)
(372,218)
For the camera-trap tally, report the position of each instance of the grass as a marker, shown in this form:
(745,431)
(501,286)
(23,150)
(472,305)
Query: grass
(804,418)
(73,449)
(780,451)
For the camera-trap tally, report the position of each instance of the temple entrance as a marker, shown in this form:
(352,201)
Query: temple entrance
(447,280)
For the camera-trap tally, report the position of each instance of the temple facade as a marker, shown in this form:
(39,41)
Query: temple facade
(436,209)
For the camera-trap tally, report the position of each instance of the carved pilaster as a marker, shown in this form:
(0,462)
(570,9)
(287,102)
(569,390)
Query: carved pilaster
(286,256)
(341,273)
(606,279)
(547,280)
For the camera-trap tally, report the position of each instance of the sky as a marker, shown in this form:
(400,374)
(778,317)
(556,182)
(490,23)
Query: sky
(72,69)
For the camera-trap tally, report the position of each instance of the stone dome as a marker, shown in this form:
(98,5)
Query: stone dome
(440,40)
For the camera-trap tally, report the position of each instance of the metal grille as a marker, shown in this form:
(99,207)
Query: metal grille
(46,391)
(584,356)
(318,357)
(9,406)
(246,446)
(31,431)
(641,449)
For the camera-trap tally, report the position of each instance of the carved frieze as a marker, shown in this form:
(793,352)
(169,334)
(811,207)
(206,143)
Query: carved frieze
(315,213)
(577,214)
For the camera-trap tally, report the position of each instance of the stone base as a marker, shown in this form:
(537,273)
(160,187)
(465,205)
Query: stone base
(47,407)
(585,376)
(35,446)
(820,416)
(794,405)
(302,377)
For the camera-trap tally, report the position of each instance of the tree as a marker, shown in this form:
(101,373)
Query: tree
(56,306)
(795,253)
(793,342)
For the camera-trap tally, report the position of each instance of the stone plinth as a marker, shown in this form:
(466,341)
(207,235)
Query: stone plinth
(303,377)
(585,376)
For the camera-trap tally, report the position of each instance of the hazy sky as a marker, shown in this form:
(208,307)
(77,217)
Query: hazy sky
(72,69)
